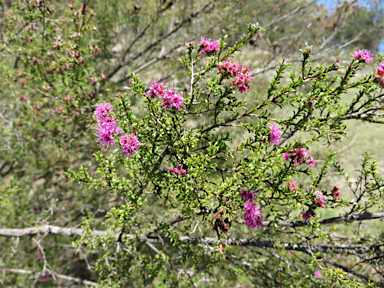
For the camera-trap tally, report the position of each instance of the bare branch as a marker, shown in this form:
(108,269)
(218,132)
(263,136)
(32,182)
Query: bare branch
(206,8)
(155,239)
(58,276)
(333,220)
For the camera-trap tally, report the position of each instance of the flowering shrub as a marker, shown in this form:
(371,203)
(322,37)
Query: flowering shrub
(188,185)
(257,186)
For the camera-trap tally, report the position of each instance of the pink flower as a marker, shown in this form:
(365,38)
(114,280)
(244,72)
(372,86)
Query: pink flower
(177,170)
(363,55)
(243,88)
(317,274)
(275,136)
(173,100)
(308,214)
(39,257)
(320,198)
(102,111)
(57,45)
(106,133)
(335,192)
(209,46)
(107,128)
(320,203)
(93,80)
(157,89)
(299,156)
(293,186)
(380,71)
(253,217)
(129,144)
(247,195)
(311,161)
(45,277)
(231,69)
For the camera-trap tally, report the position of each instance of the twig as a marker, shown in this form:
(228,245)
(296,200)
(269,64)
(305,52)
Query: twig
(59,276)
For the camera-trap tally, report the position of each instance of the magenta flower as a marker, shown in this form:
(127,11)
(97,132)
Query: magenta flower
(311,161)
(103,111)
(231,69)
(157,89)
(317,274)
(209,46)
(253,217)
(320,198)
(275,136)
(308,214)
(129,144)
(39,257)
(248,196)
(320,203)
(106,133)
(300,156)
(107,129)
(173,100)
(380,71)
(363,55)
(177,170)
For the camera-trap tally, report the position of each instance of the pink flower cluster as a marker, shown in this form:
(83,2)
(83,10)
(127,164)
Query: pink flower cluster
(240,72)
(171,99)
(299,156)
(209,46)
(320,198)
(363,55)
(129,144)
(292,186)
(308,214)
(380,74)
(177,170)
(335,192)
(107,131)
(57,44)
(253,217)
(275,136)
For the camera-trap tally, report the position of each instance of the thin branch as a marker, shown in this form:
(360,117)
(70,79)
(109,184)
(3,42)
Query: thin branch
(206,8)
(77,232)
(58,276)
(155,239)
(333,220)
